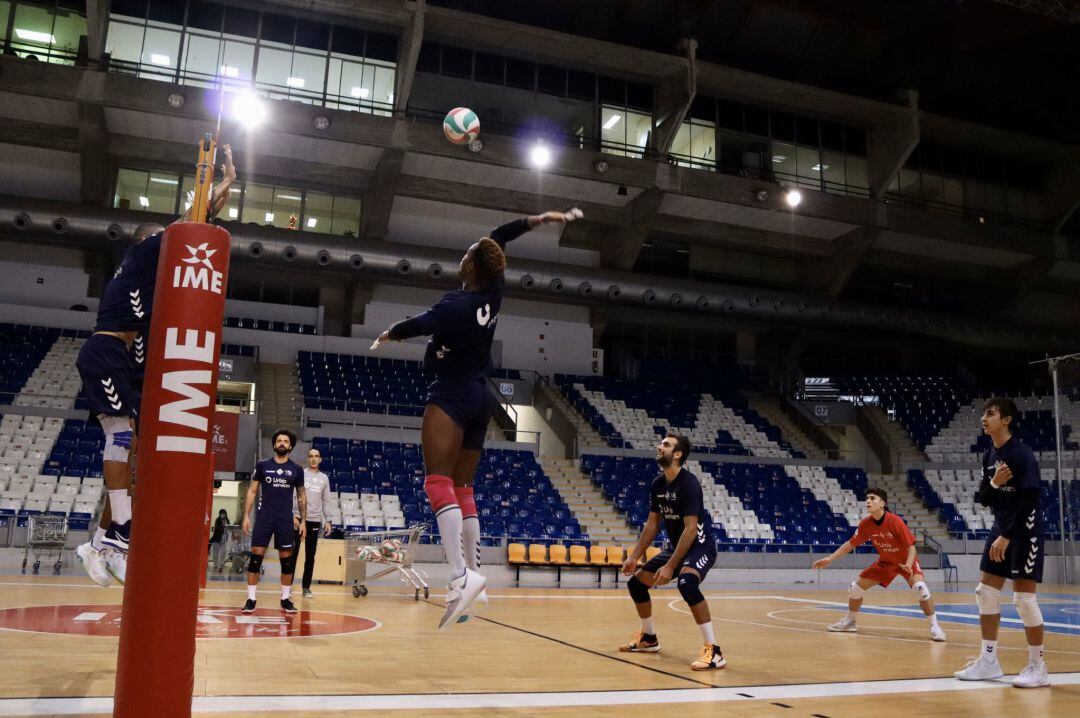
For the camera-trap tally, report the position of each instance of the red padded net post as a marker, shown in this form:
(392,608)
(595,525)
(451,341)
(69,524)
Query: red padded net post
(156,662)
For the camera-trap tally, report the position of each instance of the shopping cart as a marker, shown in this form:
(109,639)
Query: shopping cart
(386,551)
(47,536)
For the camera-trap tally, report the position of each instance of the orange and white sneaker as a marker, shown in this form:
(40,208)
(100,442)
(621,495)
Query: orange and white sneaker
(711,659)
(642,643)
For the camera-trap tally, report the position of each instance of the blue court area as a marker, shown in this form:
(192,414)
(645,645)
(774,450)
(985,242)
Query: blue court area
(1061,613)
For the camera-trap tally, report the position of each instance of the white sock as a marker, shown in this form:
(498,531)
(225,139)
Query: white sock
(286,592)
(707,633)
(933,620)
(120,504)
(1035,654)
(251,592)
(851,615)
(989,650)
(96,541)
(450,531)
(470,541)
(647,626)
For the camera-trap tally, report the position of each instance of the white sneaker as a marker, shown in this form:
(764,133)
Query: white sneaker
(308,593)
(1033,676)
(116,563)
(844,625)
(461,594)
(980,669)
(936,634)
(94,564)
(479,605)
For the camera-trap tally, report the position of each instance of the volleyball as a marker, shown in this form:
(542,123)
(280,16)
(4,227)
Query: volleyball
(461,125)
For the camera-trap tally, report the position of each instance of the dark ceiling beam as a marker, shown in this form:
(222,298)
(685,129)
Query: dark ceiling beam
(674,94)
(93,142)
(379,197)
(890,144)
(831,276)
(97,15)
(638,217)
(412,38)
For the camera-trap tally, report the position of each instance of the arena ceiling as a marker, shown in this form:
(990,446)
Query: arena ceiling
(995,62)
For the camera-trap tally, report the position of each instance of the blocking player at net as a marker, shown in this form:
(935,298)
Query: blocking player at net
(895,545)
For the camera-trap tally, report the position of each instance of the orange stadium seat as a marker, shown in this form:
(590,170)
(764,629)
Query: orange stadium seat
(615,556)
(515,553)
(579,556)
(537,553)
(597,556)
(557,554)
(650,552)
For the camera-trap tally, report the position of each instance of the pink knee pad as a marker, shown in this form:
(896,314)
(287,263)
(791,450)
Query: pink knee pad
(465,500)
(440,491)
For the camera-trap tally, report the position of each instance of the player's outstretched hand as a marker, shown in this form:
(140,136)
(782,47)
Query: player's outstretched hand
(561,217)
(820,563)
(629,566)
(663,575)
(904,569)
(246,526)
(302,530)
(384,337)
(997,549)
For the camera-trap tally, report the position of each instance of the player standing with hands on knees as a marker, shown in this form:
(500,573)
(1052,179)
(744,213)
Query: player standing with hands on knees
(1014,550)
(676,499)
(895,545)
(459,402)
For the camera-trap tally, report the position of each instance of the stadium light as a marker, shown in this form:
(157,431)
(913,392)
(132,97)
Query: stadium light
(539,156)
(793,198)
(248,110)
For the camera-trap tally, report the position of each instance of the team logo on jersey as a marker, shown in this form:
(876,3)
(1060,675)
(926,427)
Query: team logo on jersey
(211,622)
(700,533)
(483,315)
(198,272)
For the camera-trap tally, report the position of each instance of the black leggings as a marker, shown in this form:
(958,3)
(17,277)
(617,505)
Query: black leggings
(311,540)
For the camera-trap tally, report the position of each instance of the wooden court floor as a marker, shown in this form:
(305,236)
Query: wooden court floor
(536,652)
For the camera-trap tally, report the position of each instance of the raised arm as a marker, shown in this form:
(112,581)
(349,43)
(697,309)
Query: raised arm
(512,230)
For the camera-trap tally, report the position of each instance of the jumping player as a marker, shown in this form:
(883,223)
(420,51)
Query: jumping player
(278,477)
(675,498)
(111,380)
(895,545)
(459,403)
(1014,550)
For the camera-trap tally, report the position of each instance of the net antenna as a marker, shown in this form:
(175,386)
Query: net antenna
(204,165)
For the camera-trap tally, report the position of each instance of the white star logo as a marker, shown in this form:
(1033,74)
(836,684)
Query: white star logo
(196,259)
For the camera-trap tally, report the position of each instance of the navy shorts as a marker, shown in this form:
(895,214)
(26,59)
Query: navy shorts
(280,527)
(700,557)
(108,377)
(1023,558)
(469,402)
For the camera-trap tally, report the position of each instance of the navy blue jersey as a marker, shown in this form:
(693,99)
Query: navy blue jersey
(278,483)
(678,499)
(1016,505)
(462,324)
(129,295)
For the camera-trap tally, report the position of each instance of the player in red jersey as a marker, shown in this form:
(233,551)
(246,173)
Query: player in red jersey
(895,545)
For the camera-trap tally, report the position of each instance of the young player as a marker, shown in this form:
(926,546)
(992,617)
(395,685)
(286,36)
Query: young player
(895,545)
(1014,550)
(278,477)
(459,402)
(676,499)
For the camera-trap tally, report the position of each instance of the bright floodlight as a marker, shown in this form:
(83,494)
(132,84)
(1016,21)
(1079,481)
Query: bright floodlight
(793,197)
(539,156)
(248,110)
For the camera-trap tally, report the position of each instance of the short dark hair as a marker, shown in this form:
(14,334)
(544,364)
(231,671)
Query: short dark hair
(489,260)
(291,436)
(681,444)
(880,493)
(147,229)
(1006,408)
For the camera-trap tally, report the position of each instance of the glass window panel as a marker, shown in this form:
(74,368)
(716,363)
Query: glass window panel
(384,90)
(612,129)
(318,213)
(205,15)
(274,67)
(202,57)
(162,190)
(832,136)
(187,189)
(355,84)
(756,119)
(67,30)
(681,144)
(312,35)
(381,46)
(308,74)
(933,187)
(953,192)
(551,80)
(783,160)
(808,164)
(730,115)
(239,56)
(161,49)
(612,91)
(131,8)
(580,84)
(910,184)
(490,68)
(33,31)
(832,170)
(5,14)
(346,218)
(703,141)
(286,209)
(638,128)
(456,61)
(520,73)
(130,186)
(427,61)
(167,11)
(258,204)
(855,174)
(241,22)
(349,41)
(278,28)
(639,95)
(893,187)
(782,126)
(855,141)
(806,131)
(124,42)
(703,108)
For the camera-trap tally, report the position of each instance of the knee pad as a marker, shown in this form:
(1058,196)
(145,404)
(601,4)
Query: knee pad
(1027,605)
(288,565)
(988,599)
(638,590)
(921,590)
(255,563)
(690,588)
(466,500)
(118,437)
(440,492)
(855,591)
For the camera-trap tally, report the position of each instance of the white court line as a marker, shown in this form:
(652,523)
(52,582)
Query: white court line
(481,701)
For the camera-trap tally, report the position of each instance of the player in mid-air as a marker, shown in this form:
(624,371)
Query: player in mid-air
(459,402)
(274,482)
(1014,550)
(897,556)
(111,383)
(676,498)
